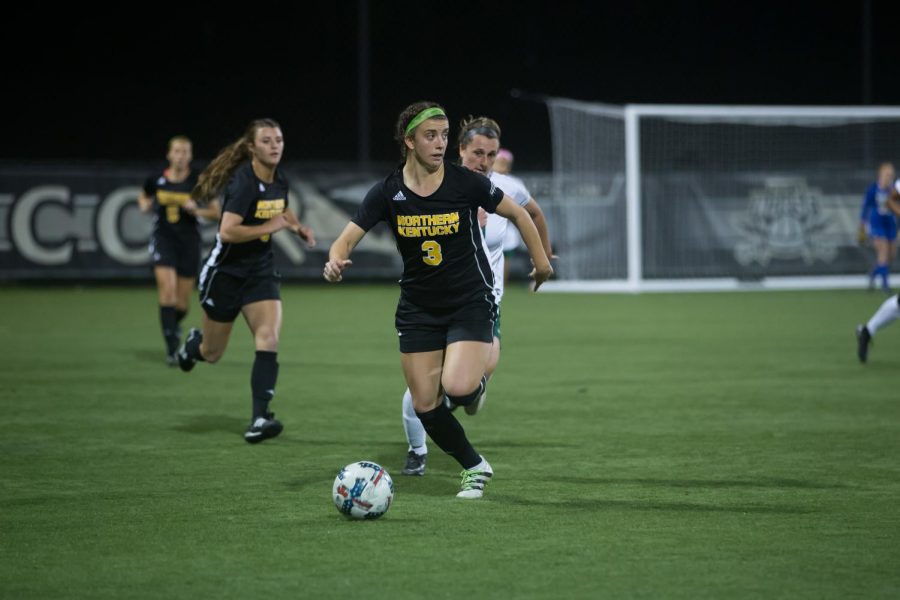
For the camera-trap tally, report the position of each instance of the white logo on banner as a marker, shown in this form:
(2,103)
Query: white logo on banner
(784,220)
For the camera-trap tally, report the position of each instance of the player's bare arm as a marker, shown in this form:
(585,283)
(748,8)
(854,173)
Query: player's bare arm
(211,210)
(537,215)
(233,231)
(145,202)
(304,231)
(339,253)
(894,201)
(522,220)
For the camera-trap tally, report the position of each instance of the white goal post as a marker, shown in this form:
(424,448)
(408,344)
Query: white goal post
(677,197)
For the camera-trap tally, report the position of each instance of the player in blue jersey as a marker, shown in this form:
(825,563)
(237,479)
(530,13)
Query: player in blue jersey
(479,143)
(239,276)
(446,312)
(880,224)
(175,241)
(890,308)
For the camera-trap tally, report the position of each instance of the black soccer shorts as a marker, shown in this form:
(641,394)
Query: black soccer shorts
(223,295)
(423,329)
(182,254)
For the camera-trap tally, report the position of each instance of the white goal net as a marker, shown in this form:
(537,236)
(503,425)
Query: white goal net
(651,197)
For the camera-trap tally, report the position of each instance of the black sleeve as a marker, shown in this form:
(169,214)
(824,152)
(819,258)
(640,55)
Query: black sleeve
(239,195)
(287,190)
(372,210)
(482,192)
(150,186)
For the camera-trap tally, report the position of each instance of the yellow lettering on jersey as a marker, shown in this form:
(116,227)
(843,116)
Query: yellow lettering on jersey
(428,225)
(172,201)
(432,252)
(266,209)
(166,198)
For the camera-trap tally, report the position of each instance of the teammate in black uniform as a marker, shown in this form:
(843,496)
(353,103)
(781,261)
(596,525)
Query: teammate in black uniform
(175,242)
(445,316)
(239,275)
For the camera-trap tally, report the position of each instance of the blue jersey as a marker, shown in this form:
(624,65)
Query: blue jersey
(877,214)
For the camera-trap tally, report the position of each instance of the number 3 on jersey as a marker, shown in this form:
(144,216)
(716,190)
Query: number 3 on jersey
(432,252)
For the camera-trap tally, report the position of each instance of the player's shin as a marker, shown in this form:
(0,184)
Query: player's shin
(445,431)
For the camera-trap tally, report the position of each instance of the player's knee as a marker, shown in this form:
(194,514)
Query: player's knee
(463,395)
(424,403)
(210,354)
(266,338)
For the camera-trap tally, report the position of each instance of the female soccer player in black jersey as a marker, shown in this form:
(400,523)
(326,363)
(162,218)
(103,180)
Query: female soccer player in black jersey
(175,242)
(445,316)
(239,275)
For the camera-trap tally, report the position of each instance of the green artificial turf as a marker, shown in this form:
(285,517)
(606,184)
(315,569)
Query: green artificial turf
(654,446)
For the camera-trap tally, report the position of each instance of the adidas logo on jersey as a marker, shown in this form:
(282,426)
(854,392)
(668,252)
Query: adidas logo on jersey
(262,188)
(399,197)
(209,302)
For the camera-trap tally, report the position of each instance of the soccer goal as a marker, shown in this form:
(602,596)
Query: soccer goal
(671,197)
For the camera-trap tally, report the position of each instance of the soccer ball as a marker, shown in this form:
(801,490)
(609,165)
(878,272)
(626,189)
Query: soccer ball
(363,490)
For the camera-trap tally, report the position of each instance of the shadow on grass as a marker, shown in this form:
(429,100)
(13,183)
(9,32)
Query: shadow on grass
(316,478)
(212,424)
(598,504)
(767,482)
(151,356)
(495,444)
(437,483)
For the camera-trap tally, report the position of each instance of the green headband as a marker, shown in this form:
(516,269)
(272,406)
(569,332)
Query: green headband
(428,113)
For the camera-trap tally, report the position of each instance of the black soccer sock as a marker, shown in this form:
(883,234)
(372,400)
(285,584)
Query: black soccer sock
(167,321)
(445,431)
(262,381)
(179,315)
(470,397)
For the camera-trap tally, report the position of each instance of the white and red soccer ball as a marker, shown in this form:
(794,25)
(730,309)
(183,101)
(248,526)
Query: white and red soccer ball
(363,490)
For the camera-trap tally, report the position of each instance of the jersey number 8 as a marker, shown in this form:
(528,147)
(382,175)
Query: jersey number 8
(432,252)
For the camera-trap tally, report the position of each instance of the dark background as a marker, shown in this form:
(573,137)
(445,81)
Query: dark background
(85,84)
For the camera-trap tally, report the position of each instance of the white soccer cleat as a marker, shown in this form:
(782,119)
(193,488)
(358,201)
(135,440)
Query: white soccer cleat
(474,480)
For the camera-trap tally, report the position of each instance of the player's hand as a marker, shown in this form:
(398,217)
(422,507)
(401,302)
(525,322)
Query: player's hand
(334,269)
(190,207)
(278,222)
(540,275)
(861,236)
(306,234)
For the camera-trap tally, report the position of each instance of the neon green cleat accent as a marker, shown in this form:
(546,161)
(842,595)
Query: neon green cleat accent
(474,480)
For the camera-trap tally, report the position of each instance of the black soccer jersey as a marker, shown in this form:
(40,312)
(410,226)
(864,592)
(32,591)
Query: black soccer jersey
(444,259)
(257,202)
(168,199)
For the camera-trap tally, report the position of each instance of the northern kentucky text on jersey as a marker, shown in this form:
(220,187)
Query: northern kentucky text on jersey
(266,209)
(428,225)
